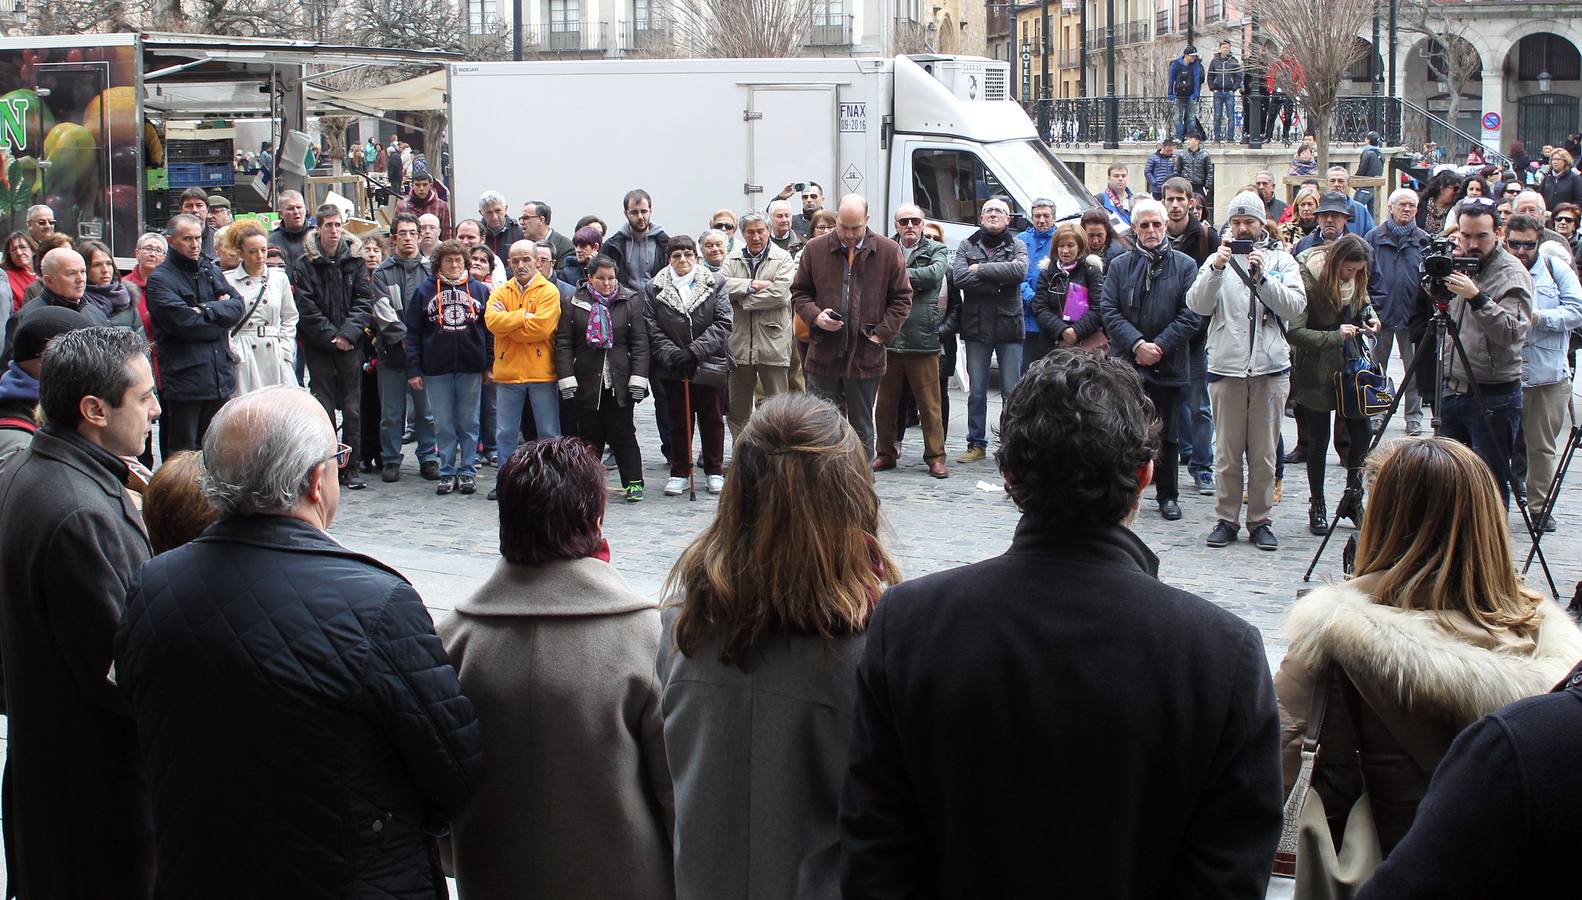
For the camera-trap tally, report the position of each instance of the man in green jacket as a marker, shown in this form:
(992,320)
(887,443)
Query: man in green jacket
(913,357)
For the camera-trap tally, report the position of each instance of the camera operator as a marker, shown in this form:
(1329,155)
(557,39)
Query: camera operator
(1492,307)
(1546,382)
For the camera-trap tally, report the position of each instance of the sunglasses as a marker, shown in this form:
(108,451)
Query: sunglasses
(724,226)
(1566,219)
(1147,226)
(909,220)
(1521,245)
(343,455)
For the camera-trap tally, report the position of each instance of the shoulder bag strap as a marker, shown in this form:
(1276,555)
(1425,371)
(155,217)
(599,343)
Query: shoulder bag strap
(1285,851)
(262,290)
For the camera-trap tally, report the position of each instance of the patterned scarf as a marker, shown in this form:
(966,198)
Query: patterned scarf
(601,328)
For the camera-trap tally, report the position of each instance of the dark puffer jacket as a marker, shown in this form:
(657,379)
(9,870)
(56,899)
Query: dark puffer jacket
(991,308)
(690,330)
(303,731)
(1158,315)
(334,296)
(193,308)
(628,359)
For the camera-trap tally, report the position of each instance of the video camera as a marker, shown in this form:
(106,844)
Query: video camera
(1440,261)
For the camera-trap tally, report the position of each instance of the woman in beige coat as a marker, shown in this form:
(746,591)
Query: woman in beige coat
(265,342)
(1432,633)
(557,655)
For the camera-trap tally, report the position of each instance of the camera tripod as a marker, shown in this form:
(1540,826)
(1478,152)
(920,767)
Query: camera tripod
(1573,443)
(1441,326)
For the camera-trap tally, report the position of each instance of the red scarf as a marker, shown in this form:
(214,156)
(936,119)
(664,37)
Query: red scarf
(20,281)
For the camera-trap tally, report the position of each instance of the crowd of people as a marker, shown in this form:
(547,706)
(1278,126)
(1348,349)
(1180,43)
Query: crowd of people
(191,645)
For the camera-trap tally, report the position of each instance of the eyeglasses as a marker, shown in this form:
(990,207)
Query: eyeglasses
(908,220)
(1147,226)
(526,217)
(1521,245)
(49,222)
(1566,219)
(343,455)
(151,249)
(725,226)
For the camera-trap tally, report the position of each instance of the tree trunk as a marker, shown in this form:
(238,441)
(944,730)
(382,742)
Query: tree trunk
(1319,119)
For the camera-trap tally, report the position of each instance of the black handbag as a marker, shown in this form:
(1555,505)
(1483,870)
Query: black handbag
(1363,390)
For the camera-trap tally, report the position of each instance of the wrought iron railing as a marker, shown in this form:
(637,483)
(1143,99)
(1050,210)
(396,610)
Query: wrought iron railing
(829,31)
(652,35)
(1133,32)
(568,37)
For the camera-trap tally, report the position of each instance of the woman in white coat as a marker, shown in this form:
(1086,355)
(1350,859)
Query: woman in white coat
(265,343)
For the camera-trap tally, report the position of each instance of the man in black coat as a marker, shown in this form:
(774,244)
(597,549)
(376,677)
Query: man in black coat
(64,275)
(304,733)
(76,801)
(334,301)
(1055,719)
(1150,327)
(988,269)
(193,309)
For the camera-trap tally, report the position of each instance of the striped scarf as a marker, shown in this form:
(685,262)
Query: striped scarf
(601,328)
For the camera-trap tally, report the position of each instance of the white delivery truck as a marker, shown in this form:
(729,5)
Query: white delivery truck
(701,135)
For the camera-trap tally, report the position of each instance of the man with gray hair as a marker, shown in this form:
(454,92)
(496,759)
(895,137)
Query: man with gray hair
(293,227)
(781,231)
(40,223)
(758,278)
(1550,242)
(988,269)
(76,800)
(65,280)
(193,309)
(500,231)
(289,687)
(1394,278)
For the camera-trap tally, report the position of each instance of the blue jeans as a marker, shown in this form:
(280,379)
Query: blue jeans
(1462,420)
(508,401)
(393,395)
(455,400)
(1184,117)
(1224,112)
(1196,421)
(978,352)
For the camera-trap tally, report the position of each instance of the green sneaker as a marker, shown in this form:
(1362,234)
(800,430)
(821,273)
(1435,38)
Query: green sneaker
(634,492)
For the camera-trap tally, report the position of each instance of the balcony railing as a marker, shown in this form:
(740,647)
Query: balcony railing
(829,31)
(651,35)
(569,37)
(1134,32)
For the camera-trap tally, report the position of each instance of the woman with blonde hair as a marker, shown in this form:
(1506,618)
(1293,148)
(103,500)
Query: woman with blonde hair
(1067,299)
(265,341)
(1323,336)
(763,633)
(1301,217)
(1432,632)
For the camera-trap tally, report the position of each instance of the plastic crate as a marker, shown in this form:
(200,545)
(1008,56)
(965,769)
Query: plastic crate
(217,151)
(187,175)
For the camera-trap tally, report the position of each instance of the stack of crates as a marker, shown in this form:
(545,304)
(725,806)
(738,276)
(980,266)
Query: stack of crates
(205,164)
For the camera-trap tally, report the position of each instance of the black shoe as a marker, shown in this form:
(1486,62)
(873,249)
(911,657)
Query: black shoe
(1170,510)
(352,481)
(369,466)
(467,484)
(1318,516)
(1223,533)
(1263,538)
(447,483)
(391,473)
(1297,456)
(1550,525)
(494,494)
(429,470)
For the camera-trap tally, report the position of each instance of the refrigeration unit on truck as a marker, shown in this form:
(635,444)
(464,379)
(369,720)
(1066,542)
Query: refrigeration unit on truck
(701,135)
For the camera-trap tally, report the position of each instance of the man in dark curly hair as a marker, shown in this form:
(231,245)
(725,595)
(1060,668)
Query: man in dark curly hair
(1001,703)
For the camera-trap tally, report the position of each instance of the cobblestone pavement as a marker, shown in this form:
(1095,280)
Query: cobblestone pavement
(448,545)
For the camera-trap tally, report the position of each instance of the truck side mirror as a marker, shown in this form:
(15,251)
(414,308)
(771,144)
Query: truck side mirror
(1019,223)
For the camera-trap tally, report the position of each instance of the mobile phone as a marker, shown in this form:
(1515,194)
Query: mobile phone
(835,315)
(1240,248)
(798,186)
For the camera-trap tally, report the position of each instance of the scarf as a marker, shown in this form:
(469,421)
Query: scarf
(110,298)
(601,328)
(20,280)
(1401,233)
(1078,302)
(995,240)
(1155,259)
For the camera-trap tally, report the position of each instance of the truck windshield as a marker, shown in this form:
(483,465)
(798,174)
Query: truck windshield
(1041,173)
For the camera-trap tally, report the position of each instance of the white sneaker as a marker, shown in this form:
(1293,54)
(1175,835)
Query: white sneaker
(716,483)
(675,487)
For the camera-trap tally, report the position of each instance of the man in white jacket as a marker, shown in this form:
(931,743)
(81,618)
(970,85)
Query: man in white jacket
(1249,298)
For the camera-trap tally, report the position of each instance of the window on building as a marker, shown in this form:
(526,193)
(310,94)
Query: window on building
(565,15)
(1547,53)
(481,17)
(829,12)
(952,185)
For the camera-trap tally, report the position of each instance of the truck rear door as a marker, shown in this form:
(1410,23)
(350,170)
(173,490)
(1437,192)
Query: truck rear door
(791,137)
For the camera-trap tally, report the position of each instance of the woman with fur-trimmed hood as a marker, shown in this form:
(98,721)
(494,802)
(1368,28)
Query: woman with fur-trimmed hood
(1433,632)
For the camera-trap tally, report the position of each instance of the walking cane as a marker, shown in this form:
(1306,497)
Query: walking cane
(692,469)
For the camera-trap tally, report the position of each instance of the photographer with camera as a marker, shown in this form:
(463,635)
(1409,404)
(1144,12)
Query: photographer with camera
(1546,381)
(1488,297)
(1251,288)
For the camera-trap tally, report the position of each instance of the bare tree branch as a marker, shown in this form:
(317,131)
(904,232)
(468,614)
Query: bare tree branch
(1317,44)
(79,16)
(1450,56)
(745,28)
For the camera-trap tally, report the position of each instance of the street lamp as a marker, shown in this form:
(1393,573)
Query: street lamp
(1545,81)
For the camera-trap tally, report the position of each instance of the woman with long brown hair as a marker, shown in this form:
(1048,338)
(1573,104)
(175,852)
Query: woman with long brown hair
(763,633)
(1328,332)
(1432,632)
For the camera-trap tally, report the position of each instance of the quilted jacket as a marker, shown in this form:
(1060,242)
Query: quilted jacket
(303,732)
